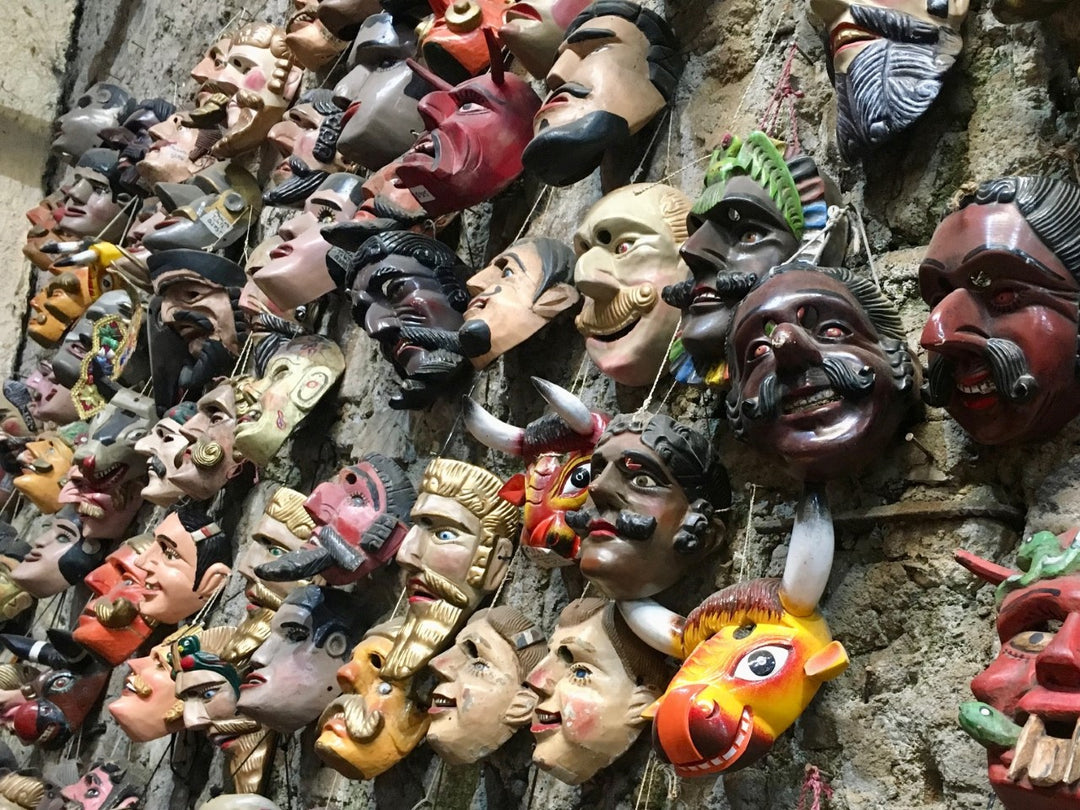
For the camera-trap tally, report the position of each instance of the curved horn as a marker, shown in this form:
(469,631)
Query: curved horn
(495,433)
(566,405)
(654,624)
(34,651)
(810,555)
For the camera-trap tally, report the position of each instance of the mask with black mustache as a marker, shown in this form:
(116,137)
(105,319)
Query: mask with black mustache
(1008,366)
(629,525)
(565,154)
(848,379)
(294,191)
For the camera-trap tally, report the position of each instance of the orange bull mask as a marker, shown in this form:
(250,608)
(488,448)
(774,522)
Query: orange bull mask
(753,668)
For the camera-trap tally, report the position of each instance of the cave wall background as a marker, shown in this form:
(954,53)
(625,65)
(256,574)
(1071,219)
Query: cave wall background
(915,624)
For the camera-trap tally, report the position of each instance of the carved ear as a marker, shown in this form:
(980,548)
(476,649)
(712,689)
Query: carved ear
(827,663)
(554,300)
(212,579)
(313,385)
(643,699)
(292,84)
(499,562)
(520,710)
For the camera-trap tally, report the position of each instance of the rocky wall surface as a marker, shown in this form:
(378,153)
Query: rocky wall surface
(915,624)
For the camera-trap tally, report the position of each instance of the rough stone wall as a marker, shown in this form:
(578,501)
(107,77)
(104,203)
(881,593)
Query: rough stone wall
(915,625)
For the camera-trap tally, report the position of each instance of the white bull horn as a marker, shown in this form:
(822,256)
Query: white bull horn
(495,433)
(654,624)
(571,409)
(810,556)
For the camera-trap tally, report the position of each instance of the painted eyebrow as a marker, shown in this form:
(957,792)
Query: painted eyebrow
(586,34)
(649,465)
(516,258)
(809,291)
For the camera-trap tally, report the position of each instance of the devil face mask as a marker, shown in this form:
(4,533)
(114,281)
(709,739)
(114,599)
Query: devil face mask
(452,42)
(628,251)
(103,105)
(311,637)
(615,71)
(110,624)
(819,371)
(1028,706)
(880,53)
(595,669)
(753,668)
(481,699)
(375,724)
(534,30)
(1003,320)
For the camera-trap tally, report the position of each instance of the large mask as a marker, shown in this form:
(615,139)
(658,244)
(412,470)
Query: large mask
(379,96)
(1027,710)
(376,723)
(294,139)
(296,271)
(110,624)
(103,105)
(284,526)
(271,408)
(311,42)
(557,449)
(49,400)
(757,207)
(651,517)
(59,557)
(311,636)
(481,699)
(211,221)
(45,463)
(628,251)
(88,208)
(1000,276)
(60,698)
(515,296)
(593,685)
(616,70)
(820,374)
(476,132)
(185,565)
(404,286)
(753,667)
(164,447)
(888,64)
(206,461)
(106,473)
(456,553)
(534,30)
(362,518)
(208,683)
(199,296)
(453,42)
(102,787)
(176,153)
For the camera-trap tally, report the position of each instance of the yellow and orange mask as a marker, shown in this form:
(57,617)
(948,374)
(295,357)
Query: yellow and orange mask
(45,462)
(753,668)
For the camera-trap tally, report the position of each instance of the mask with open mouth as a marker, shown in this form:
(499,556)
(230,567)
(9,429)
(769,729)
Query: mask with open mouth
(102,787)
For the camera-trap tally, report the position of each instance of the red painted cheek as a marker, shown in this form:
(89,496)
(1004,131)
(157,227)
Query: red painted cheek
(581,717)
(255,80)
(1004,682)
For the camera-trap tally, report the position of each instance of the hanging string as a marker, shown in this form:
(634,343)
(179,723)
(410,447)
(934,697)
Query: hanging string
(545,191)
(784,95)
(748,532)
(866,245)
(579,378)
(431,796)
(397,605)
(123,210)
(646,782)
(816,788)
(660,371)
(333,67)
(333,791)
(652,142)
(507,577)
(209,606)
(457,421)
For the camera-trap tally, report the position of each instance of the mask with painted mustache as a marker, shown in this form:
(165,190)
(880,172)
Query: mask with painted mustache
(361,725)
(298,187)
(849,380)
(629,525)
(1008,366)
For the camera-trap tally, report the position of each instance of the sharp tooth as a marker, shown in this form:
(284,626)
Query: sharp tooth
(1025,747)
(1072,772)
(1048,763)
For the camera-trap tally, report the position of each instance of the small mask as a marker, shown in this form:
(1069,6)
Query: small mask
(557,449)
(284,526)
(1026,698)
(110,624)
(103,105)
(308,39)
(651,516)
(205,461)
(481,699)
(752,668)
(595,668)
(456,553)
(376,723)
(102,787)
(362,518)
(1000,276)
(311,637)
(821,376)
(453,42)
(88,208)
(184,566)
(515,296)
(615,71)
(164,448)
(534,30)
(45,462)
(59,557)
(628,251)
(879,52)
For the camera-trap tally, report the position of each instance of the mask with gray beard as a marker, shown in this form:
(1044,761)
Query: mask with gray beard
(361,725)
(893,80)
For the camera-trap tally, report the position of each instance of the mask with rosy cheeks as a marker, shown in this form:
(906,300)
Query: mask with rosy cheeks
(362,518)
(147,708)
(101,788)
(59,557)
(1002,327)
(1027,708)
(110,624)
(752,669)
(296,134)
(453,43)
(49,401)
(593,685)
(471,151)
(534,30)
(204,460)
(168,159)
(164,448)
(311,636)
(481,700)
(311,42)
(628,251)
(375,723)
(44,462)
(284,526)
(296,271)
(271,408)
(102,106)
